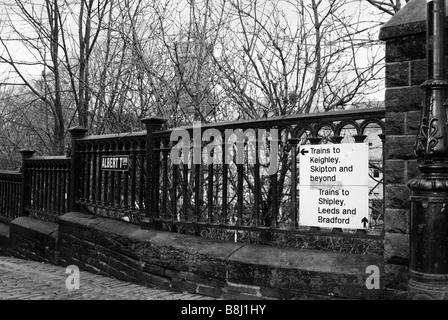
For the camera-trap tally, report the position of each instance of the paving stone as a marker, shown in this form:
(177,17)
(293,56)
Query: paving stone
(29,280)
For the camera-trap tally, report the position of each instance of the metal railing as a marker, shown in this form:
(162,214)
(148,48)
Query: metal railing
(10,193)
(239,198)
(112,193)
(46,180)
(227,199)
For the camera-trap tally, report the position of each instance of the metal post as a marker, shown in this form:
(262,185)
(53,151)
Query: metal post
(25,186)
(428,256)
(152,124)
(75,174)
(294,142)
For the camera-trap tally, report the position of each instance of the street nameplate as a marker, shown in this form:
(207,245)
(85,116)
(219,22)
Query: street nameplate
(115,163)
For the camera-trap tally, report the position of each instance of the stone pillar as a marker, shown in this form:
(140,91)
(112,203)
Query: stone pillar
(405,40)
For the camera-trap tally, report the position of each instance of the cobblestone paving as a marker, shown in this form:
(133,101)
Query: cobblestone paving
(30,280)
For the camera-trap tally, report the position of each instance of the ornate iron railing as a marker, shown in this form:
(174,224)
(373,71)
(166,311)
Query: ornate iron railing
(10,193)
(134,178)
(112,193)
(47,181)
(233,200)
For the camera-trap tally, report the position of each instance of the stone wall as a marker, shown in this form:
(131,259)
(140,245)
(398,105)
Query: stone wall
(30,238)
(4,240)
(192,264)
(215,268)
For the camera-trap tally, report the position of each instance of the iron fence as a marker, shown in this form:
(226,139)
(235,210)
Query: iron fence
(112,192)
(47,181)
(235,200)
(150,177)
(10,193)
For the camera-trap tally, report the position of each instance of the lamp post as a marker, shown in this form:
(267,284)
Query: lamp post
(428,256)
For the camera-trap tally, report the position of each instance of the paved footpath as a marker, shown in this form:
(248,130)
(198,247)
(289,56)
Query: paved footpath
(30,280)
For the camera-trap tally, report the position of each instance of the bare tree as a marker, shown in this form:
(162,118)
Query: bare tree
(105,64)
(296,57)
(46,32)
(40,37)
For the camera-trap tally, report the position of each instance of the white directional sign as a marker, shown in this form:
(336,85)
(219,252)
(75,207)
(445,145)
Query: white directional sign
(334,186)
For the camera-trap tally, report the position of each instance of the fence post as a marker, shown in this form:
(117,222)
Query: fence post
(25,186)
(152,125)
(294,143)
(75,174)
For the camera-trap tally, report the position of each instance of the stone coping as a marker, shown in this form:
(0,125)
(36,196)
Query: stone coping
(4,235)
(411,19)
(35,225)
(4,230)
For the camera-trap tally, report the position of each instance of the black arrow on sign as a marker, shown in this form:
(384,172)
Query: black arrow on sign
(303,152)
(364,221)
